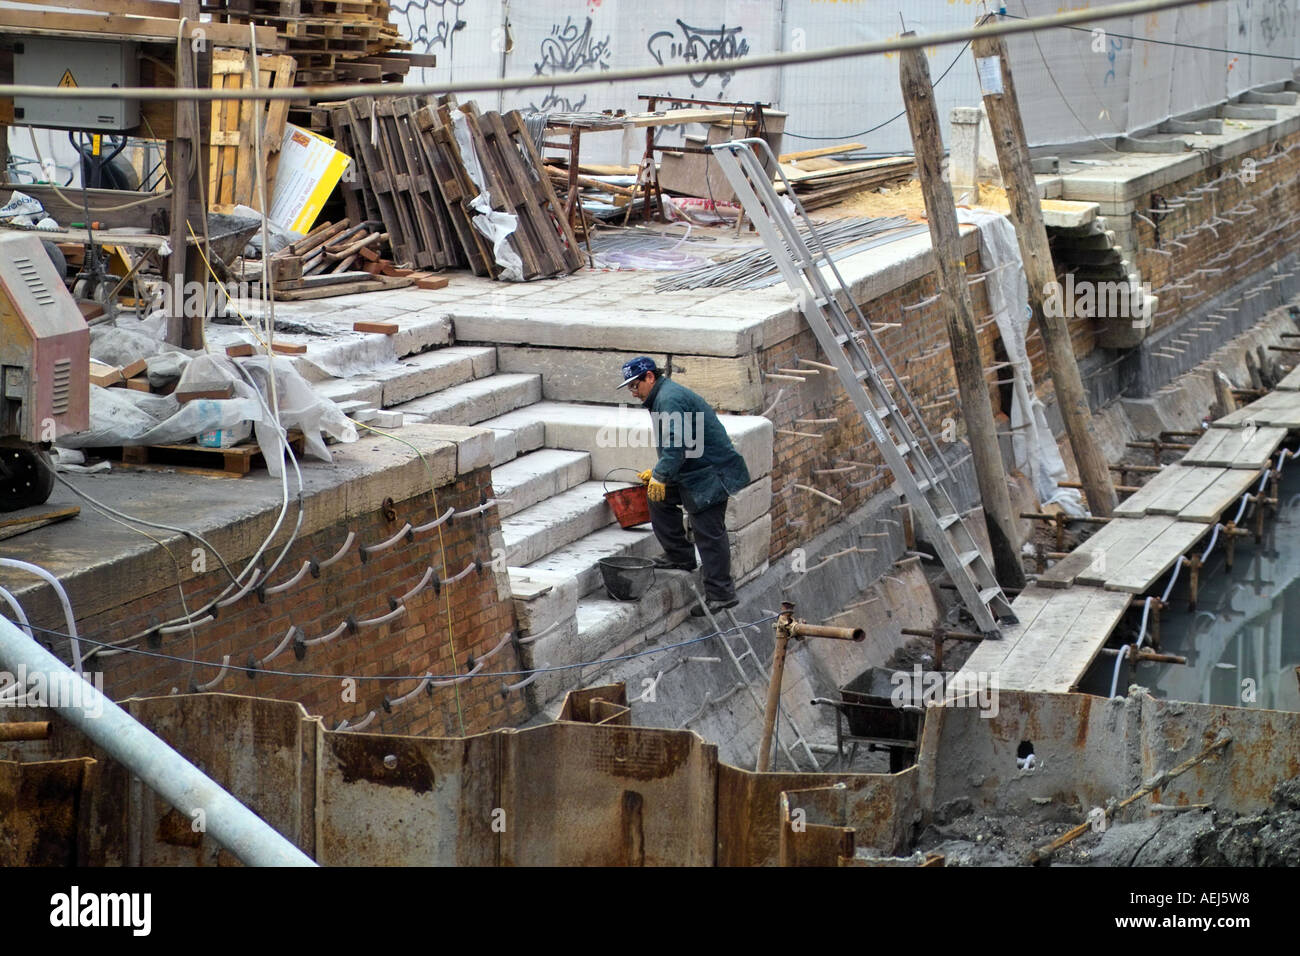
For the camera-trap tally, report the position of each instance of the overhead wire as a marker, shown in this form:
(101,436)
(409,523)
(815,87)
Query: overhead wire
(1008,27)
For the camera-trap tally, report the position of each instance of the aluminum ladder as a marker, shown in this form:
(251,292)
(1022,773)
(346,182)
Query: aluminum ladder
(737,633)
(883,402)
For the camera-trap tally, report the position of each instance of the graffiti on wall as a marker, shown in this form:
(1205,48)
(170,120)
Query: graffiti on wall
(690,44)
(431,24)
(569,48)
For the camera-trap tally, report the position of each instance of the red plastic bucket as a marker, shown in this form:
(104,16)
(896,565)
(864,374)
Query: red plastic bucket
(631,505)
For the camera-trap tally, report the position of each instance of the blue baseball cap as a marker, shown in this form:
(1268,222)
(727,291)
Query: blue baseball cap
(637,367)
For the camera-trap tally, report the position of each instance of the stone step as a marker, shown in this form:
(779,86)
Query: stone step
(620,437)
(549,525)
(471,402)
(431,372)
(579,560)
(516,433)
(537,476)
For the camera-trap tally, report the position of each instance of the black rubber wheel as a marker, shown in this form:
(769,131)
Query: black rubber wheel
(25,478)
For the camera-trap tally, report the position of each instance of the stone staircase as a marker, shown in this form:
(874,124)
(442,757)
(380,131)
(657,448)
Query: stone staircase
(550,461)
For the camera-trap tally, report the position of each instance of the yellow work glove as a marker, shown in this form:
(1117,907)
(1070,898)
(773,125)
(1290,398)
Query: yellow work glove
(655,490)
(645,476)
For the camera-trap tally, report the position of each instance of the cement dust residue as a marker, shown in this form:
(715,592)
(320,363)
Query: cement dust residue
(906,200)
(1169,838)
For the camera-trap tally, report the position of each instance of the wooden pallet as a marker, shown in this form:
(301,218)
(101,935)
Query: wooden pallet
(516,183)
(233,162)
(442,156)
(191,458)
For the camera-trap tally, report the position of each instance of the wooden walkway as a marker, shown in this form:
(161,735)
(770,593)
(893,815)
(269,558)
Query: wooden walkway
(1069,614)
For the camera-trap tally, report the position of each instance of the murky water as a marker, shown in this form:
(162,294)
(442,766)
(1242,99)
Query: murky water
(1242,643)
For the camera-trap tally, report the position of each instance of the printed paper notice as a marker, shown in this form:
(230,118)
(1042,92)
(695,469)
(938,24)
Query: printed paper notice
(310,167)
(990,73)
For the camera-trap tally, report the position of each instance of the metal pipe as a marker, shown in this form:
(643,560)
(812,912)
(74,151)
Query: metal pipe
(163,770)
(25,730)
(803,629)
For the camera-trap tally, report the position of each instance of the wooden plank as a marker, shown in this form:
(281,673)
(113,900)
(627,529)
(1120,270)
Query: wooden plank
(1235,447)
(1210,504)
(1064,572)
(1290,382)
(29,519)
(1037,645)
(989,655)
(96,26)
(1185,484)
(1079,647)
(823,151)
(1139,573)
(1115,545)
(550,200)
(1281,409)
(677,117)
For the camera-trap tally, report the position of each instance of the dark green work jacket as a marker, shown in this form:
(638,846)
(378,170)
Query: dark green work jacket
(694,450)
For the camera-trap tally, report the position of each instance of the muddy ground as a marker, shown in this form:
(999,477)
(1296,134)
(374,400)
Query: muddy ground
(1171,838)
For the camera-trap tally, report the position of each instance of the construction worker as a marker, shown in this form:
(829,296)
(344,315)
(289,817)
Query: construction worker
(698,469)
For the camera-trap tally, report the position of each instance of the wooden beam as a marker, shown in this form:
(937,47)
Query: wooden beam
(97,26)
(977,408)
(1005,121)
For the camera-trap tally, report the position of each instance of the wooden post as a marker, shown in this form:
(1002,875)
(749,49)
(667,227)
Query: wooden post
(977,408)
(185,167)
(1022,194)
(764,761)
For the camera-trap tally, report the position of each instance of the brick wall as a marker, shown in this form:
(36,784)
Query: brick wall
(919,349)
(468,614)
(1228,236)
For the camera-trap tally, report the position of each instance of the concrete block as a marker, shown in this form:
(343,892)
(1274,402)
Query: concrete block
(351,390)
(431,372)
(386,419)
(536,531)
(538,476)
(579,560)
(524,430)
(751,503)
(1064,214)
(471,402)
(542,599)
(473,445)
(587,375)
(620,330)
(573,375)
(419,332)
(504,447)
(620,437)
(483,357)
(727,384)
(749,546)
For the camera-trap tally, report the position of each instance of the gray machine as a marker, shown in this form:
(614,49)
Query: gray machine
(44,369)
(45,61)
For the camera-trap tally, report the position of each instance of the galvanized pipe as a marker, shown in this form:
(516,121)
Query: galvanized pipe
(162,769)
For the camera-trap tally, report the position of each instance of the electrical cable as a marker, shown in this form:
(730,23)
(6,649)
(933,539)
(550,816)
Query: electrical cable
(891,119)
(1186,46)
(407,677)
(658,72)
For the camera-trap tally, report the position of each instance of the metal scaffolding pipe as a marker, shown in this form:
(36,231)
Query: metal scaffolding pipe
(162,769)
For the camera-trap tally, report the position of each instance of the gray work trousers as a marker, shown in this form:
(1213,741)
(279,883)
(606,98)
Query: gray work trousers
(709,528)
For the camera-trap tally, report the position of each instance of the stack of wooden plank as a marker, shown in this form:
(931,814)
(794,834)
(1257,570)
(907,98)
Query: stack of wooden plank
(333,259)
(412,177)
(820,180)
(330,40)
(232,165)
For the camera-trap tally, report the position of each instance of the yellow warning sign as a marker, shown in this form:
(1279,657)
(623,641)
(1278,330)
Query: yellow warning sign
(67,79)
